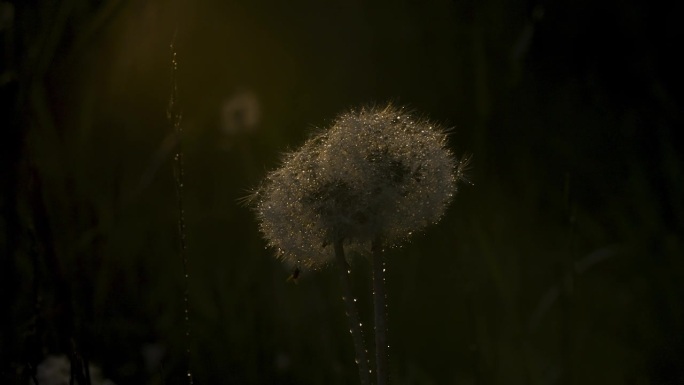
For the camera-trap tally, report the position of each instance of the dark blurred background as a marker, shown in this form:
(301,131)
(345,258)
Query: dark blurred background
(562,264)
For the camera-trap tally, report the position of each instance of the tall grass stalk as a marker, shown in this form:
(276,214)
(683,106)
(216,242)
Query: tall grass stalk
(175,117)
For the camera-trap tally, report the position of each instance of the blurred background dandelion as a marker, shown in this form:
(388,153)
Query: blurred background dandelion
(561,265)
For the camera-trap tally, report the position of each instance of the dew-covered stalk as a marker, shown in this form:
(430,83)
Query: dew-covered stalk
(175,116)
(353,315)
(380,310)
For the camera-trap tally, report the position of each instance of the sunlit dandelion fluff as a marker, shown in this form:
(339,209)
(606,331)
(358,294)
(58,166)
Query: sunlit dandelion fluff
(377,175)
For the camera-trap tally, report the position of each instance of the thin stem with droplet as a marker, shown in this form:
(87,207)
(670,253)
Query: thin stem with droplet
(380,309)
(352,315)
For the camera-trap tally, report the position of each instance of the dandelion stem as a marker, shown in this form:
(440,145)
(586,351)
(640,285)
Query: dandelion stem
(380,308)
(353,316)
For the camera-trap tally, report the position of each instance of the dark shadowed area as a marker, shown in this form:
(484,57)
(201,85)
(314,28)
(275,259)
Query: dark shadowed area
(562,263)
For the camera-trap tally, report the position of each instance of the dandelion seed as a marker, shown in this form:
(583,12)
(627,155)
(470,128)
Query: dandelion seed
(241,112)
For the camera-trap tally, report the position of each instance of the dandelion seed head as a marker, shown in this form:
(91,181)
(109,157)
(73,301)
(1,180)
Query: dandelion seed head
(287,215)
(377,173)
(399,167)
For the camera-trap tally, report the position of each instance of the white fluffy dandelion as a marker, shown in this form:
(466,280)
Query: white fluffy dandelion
(373,179)
(378,174)
(399,168)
